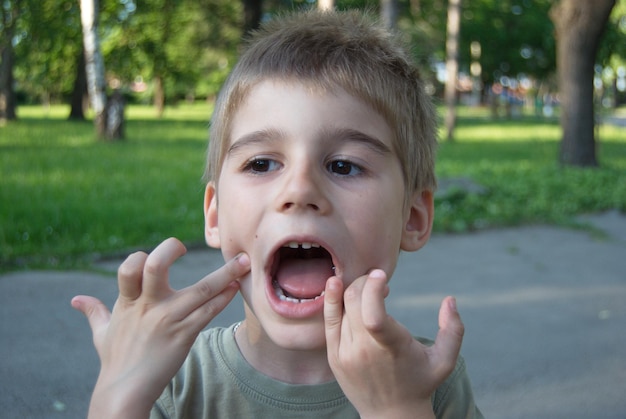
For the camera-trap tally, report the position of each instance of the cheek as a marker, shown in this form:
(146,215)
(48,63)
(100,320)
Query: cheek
(230,242)
(237,227)
(377,234)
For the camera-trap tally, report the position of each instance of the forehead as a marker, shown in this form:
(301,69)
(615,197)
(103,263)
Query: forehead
(294,108)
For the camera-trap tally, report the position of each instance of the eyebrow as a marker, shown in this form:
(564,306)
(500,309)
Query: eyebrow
(271,135)
(359,137)
(256,137)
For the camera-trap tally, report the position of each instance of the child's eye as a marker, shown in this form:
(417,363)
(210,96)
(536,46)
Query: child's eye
(344,168)
(260,165)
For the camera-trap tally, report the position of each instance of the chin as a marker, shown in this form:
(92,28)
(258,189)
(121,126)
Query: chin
(299,337)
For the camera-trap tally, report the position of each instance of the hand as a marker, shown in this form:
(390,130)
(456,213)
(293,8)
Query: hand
(381,368)
(145,340)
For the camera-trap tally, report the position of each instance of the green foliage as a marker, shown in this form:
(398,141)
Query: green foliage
(188,43)
(612,51)
(191,44)
(46,47)
(515,37)
(65,197)
(514,161)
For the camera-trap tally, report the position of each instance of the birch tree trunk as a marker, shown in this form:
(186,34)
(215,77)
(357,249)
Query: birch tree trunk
(325,4)
(94,64)
(579,24)
(389,13)
(452,65)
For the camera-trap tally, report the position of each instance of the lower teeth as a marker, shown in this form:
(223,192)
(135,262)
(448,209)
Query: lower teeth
(282,297)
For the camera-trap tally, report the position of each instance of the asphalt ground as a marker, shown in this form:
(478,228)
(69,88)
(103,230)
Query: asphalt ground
(544,310)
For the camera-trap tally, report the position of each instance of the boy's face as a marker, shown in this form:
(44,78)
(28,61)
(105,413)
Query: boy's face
(309,188)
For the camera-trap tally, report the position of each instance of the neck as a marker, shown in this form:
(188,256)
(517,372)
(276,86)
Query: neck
(291,366)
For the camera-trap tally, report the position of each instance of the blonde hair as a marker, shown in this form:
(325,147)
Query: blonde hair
(326,50)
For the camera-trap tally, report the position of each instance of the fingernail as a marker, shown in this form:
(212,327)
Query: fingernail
(243,259)
(377,273)
(75,302)
(452,303)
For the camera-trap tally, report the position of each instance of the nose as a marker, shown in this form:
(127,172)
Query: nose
(303,189)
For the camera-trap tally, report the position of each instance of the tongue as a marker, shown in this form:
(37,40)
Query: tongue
(304,278)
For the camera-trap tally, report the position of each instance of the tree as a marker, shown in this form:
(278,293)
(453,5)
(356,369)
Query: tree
(46,46)
(106,125)
(183,47)
(389,13)
(611,59)
(79,92)
(9,13)
(252,13)
(325,4)
(579,25)
(515,37)
(452,65)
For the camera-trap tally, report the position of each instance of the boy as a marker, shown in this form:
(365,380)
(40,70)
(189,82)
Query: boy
(320,170)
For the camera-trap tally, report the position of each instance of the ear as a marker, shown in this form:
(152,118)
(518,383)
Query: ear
(419,223)
(211,230)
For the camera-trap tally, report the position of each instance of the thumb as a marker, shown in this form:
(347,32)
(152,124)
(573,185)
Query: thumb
(96,312)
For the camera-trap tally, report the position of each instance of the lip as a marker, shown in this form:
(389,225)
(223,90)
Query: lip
(289,309)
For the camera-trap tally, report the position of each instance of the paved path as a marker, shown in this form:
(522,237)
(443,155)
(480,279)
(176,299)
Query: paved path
(544,309)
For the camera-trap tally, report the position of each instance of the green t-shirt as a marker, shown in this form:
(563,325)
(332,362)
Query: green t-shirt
(217,382)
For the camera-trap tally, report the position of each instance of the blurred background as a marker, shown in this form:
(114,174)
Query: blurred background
(104,108)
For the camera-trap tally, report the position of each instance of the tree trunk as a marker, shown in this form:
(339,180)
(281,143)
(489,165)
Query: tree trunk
(94,67)
(159,96)
(160,65)
(7,94)
(389,13)
(115,116)
(325,4)
(77,110)
(415,7)
(8,103)
(579,25)
(252,14)
(452,65)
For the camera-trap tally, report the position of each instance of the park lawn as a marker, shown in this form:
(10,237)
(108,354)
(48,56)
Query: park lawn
(516,162)
(66,198)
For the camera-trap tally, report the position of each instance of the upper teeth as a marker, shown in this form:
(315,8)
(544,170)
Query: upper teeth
(304,245)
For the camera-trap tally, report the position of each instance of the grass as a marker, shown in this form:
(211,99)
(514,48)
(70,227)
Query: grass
(65,197)
(516,163)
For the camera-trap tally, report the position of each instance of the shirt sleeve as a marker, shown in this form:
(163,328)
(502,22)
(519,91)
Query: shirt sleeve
(163,408)
(158,412)
(454,399)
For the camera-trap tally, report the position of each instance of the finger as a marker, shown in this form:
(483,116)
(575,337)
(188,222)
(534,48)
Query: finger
(352,301)
(98,315)
(155,284)
(212,285)
(129,276)
(333,312)
(375,289)
(204,314)
(381,326)
(450,336)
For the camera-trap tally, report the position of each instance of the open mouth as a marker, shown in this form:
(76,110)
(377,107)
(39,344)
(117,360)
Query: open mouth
(300,270)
